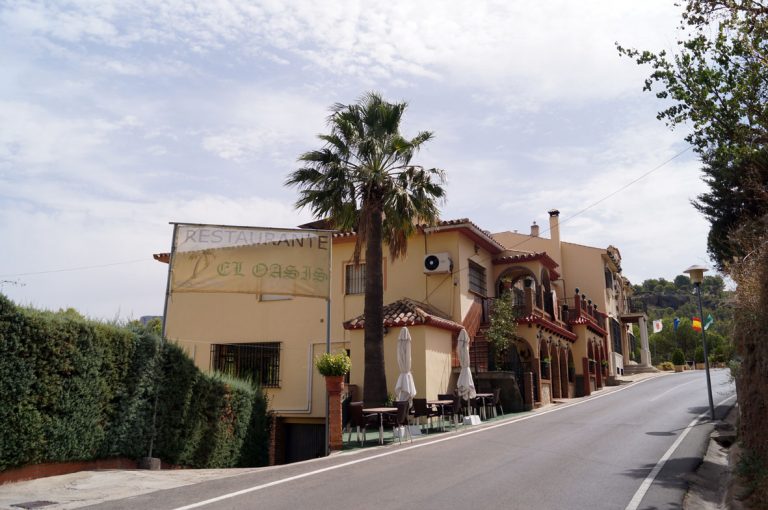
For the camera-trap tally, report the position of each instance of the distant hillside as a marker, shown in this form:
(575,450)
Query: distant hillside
(667,300)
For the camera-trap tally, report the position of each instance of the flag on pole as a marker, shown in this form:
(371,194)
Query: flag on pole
(696,323)
(657,326)
(710,320)
(676,323)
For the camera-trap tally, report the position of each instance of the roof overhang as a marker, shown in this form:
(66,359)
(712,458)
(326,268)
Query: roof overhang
(469,229)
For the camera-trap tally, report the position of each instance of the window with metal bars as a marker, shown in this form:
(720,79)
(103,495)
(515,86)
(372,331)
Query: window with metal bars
(354,279)
(477,278)
(616,336)
(258,361)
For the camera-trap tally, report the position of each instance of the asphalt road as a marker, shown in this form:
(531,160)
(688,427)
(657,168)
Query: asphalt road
(594,453)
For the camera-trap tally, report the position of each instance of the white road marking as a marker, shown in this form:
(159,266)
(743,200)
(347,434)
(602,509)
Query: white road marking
(640,494)
(403,449)
(674,389)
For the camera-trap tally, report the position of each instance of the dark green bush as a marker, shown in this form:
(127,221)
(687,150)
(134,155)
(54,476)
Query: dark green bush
(74,389)
(678,358)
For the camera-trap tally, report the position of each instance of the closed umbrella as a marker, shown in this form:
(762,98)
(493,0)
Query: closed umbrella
(465,386)
(405,389)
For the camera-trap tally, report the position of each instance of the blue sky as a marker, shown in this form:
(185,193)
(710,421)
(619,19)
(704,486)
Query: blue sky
(117,118)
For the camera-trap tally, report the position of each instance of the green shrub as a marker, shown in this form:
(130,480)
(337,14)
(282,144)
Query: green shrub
(667,365)
(74,389)
(330,364)
(678,358)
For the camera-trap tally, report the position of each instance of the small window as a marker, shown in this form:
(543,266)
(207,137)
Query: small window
(616,336)
(354,279)
(258,361)
(608,278)
(477,278)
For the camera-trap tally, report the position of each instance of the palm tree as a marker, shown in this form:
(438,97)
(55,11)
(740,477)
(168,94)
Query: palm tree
(362,180)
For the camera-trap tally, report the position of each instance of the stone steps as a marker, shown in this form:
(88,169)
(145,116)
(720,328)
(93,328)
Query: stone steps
(639,369)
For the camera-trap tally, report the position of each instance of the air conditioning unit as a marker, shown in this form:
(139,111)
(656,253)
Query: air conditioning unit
(435,263)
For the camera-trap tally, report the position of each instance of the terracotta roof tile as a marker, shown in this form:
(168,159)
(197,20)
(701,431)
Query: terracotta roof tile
(545,259)
(548,325)
(408,312)
(589,323)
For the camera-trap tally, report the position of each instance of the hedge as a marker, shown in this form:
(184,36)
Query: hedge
(75,389)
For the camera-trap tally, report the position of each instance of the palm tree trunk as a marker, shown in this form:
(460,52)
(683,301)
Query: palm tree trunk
(375,379)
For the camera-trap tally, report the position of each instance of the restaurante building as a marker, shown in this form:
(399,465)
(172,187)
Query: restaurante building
(573,326)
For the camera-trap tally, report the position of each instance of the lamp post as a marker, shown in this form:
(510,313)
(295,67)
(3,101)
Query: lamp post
(697,276)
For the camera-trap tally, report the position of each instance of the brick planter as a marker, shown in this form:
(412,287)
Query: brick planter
(334,384)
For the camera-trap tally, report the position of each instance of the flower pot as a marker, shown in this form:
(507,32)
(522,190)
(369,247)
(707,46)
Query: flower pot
(679,368)
(334,383)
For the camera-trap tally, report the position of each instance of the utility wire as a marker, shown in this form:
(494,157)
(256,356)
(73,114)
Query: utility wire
(81,268)
(578,213)
(609,195)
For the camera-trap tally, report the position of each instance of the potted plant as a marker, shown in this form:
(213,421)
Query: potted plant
(333,366)
(678,359)
(698,357)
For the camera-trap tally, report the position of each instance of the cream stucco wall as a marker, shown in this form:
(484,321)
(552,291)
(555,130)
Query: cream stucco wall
(198,320)
(431,359)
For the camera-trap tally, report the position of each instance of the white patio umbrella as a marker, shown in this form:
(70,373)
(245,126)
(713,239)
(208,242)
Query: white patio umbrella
(465,386)
(405,389)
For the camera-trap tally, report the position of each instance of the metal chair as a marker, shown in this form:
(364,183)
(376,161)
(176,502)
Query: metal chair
(496,402)
(421,409)
(399,420)
(452,411)
(359,420)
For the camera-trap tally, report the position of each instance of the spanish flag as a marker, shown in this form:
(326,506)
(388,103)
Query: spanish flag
(696,323)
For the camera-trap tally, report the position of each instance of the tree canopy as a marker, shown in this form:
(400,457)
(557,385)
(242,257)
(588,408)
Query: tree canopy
(363,180)
(669,300)
(717,84)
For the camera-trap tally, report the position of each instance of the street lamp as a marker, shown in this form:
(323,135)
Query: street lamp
(697,276)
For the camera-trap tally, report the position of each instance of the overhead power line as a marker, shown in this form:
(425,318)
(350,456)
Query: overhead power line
(564,220)
(79,268)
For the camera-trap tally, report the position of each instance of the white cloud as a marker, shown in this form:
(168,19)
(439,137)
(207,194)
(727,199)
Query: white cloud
(262,122)
(521,56)
(109,244)
(120,116)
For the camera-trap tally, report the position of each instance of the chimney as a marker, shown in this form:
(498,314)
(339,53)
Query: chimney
(554,227)
(534,230)
(554,235)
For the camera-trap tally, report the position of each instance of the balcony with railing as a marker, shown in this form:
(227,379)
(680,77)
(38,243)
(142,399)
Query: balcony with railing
(636,305)
(580,309)
(526,307)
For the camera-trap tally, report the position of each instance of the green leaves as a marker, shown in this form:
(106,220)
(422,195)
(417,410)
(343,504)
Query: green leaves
(73,389)
(365,165)
(363,180)
(501,331)
(718,84)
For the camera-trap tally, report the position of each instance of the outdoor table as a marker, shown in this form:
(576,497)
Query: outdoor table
(441,404)
(482,397)
(381,411)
